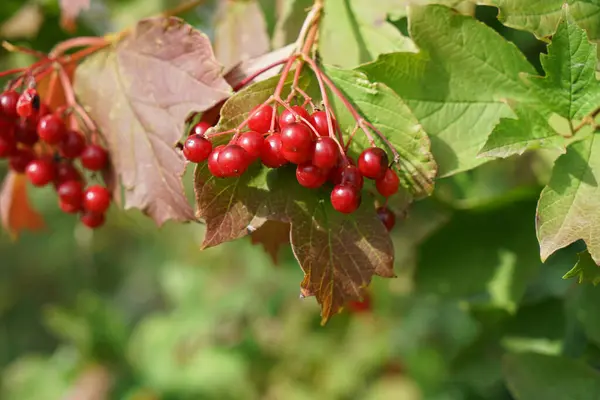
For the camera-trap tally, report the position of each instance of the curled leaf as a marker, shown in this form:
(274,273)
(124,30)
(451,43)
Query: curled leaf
(16,212)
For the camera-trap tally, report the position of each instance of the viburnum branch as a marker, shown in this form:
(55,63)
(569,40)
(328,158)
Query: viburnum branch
(183,8)
(261,71)
(311,19)
(19,49)
(84,41)
(284,75)
(72,101)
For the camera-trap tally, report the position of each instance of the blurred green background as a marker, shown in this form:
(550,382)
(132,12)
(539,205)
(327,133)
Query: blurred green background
(136,312)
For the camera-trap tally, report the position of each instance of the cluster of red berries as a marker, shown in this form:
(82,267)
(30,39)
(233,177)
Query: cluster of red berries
(300,138)
(38,143)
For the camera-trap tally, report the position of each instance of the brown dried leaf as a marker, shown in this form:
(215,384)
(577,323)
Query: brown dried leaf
(338,253)
(16,212)
(240,32)
(140,93)
(272,235)
(246,68)
(70,9)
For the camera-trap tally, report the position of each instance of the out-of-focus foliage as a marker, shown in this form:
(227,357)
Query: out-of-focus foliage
(132,312)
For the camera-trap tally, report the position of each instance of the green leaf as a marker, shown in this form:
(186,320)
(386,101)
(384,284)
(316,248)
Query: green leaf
(466,259)
(389,114)
(541,16)
(533,376)
(529,131)
(355,32)
(338,253)
(290,18)
(455,86)
(587,312)
(569,206)
(585,271)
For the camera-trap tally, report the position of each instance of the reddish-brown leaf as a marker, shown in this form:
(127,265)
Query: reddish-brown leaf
(16,212)
(338,253)
(70,9)
(140,93)
(240,32)
(272,235)
(246,68)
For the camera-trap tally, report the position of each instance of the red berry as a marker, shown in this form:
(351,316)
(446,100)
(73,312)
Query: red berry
(326,153)
(271,154)
(196,148)
(318,120)
(7,128)
(7,146)
(96,199)
(260,118)
(296,138)
(94,157)
(51,129)
(373,162)
(233,160)
(19,160)
(288,117)
(310,176)
(348,175)
(65,172)
(388,185)
(213,162)
(200,128)
(8,103)
(28,103)
(26,132)
(252,142)
(296,157)
(71,192)
(72,144)
(387,217)
(69,208)
(92,220)
(345,198)
(40,172)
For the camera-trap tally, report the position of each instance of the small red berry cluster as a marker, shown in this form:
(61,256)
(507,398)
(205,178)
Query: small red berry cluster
(38,143)
(302,138)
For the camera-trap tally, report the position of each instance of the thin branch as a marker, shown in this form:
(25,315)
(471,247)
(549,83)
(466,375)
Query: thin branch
(261,71)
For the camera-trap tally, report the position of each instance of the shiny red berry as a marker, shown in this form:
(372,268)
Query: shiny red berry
(318,120)
(348,175)
(260,118)
(296,157)
(94,157)
(289,117)
(72,144)
(233,160)
(197,148)
(96,199)
(213,162)
(69,208)
(51,129)
(40,172)
(200,128)
(252,142)
(325,153)
(387,217)
(296,137)
(7,128)
(271,154)
(19,160)
(373,162)
(64,172)
(92,220)
(8,103)
(7,146)
(26,132)
(71,192)
(345,198)
(310,176)
(28,103)
(388,185)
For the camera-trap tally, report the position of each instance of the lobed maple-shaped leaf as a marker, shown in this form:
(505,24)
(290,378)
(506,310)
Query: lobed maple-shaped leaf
(542,16)
(240,32)
(365,31)
(389,114)
(457,84)
(338,253)
(272,235)
(585,270)
(16,213)
(569,206)
(140,92)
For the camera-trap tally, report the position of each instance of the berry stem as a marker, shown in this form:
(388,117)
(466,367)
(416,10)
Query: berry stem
(12,71)
(261,71)
(72,101)
(183,8)
(84,41)
(284,75)
(19,49)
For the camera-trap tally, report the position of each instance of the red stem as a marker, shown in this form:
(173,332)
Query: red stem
(72,101)
(84,41)
(261,71)
(284,74)
(12,71)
